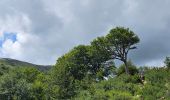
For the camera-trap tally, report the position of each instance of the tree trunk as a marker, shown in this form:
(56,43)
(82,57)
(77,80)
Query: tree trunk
(126,67)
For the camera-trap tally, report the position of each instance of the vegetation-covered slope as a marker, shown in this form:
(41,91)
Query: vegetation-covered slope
(156,86)
(11,63)
(30,84)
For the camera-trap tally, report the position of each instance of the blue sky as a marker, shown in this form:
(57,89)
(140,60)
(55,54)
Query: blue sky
(8,36)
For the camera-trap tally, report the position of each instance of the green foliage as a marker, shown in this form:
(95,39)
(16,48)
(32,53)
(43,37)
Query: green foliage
(31,84)
(74,63)
(3,69)
(167,62)
(22,84)
(132,69)
(125,87)
(156,85)
(121,40)
(117,88)
(70,68)
(107,70)
(12,63)
(99,53)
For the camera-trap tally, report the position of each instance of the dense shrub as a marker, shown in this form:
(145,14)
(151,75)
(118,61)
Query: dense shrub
(22,84)
(31,84)
(127,87)
(132,69)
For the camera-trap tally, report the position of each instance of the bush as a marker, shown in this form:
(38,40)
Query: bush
(22,84)
(153,92)
(132,69)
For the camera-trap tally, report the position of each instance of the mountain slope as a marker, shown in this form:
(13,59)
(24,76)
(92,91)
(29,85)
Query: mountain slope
(11,63)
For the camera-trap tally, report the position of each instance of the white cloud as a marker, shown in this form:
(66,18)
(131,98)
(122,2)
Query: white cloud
(10,49)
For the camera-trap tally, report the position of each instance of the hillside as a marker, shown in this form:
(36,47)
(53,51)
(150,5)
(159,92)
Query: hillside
(11,63)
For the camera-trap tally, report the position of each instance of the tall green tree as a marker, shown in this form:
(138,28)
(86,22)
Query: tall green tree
(121,41)
(70,68)
(99,53)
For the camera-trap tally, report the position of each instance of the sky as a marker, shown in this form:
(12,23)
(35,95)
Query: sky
(40,31)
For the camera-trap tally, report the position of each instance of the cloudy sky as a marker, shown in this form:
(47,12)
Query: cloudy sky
(40,31)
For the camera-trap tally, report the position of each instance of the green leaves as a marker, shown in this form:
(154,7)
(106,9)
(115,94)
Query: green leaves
(122,36)
(22,84)
(167,62)
(121,41)
(91,60)
(132,69)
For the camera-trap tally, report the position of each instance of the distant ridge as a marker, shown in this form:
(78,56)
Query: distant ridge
(8,62)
